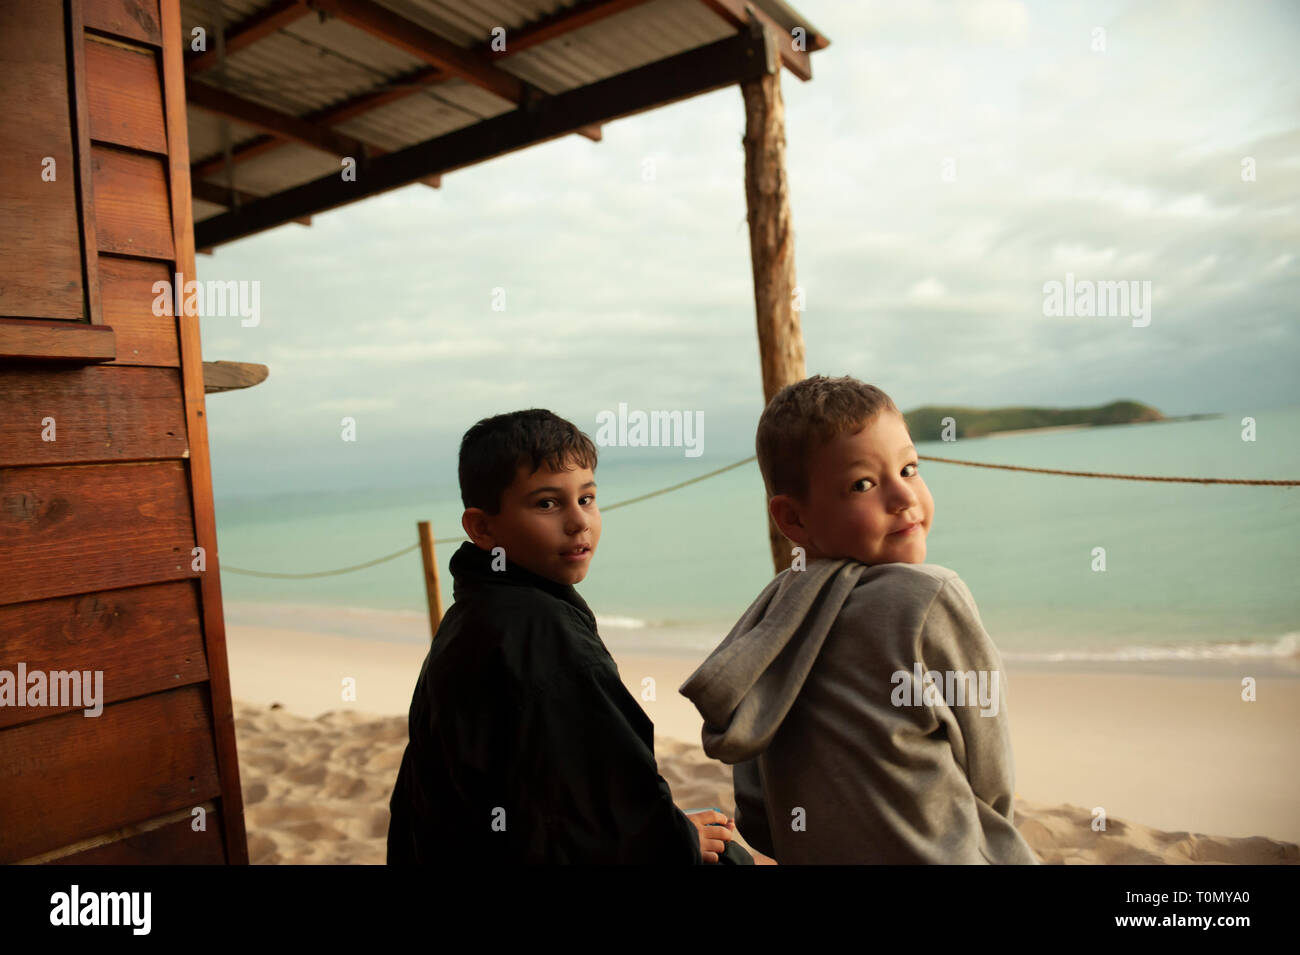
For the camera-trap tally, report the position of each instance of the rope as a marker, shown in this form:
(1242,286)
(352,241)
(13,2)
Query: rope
(456,540)
(730,467)
(1116,477)
(328,573)
(674,487)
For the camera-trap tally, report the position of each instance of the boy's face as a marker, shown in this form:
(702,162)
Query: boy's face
(548,523)
(865,498)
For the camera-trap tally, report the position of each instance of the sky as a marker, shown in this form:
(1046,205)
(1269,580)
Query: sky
(946,162)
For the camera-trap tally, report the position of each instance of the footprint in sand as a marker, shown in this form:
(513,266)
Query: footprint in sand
(313,830)
(312,774)
(343,786)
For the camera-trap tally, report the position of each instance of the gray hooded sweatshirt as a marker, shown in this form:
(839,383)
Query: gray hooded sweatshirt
(838,698)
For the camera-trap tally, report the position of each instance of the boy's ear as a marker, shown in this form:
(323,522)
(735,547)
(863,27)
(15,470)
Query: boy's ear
(785,512)
(478,525)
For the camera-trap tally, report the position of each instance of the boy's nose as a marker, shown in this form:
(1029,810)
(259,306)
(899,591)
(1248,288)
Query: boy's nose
(903,497)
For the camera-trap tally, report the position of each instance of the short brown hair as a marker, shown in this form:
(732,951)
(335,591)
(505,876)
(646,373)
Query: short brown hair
(806,414)
(492,452)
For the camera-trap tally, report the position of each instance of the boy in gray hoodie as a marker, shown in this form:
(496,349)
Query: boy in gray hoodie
(859,697)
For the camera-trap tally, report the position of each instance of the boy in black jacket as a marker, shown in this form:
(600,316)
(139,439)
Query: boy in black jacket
(524,744)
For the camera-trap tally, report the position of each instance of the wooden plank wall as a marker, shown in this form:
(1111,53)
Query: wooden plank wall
(98,526)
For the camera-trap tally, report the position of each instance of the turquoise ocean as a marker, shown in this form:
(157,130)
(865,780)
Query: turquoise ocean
(1196,576)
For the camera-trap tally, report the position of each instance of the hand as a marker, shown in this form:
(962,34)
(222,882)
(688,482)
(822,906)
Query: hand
(715,829)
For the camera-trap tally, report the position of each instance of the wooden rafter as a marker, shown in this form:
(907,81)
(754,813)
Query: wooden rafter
(248,31)
(733,60)
(272,121)
(559,23)
(400,87)
(473,66)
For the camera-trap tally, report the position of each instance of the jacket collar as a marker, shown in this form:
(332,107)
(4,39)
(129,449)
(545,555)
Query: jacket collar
(471,571)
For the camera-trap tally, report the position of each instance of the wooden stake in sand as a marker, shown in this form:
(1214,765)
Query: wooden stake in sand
(771,244)
(431,587)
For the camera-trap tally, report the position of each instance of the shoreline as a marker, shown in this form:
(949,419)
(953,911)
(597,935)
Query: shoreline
(1274,656)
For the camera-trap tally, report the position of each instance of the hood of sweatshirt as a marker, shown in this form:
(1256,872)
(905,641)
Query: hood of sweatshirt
(747,685)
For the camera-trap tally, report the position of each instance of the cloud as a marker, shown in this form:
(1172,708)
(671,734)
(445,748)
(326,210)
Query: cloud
(1125,164)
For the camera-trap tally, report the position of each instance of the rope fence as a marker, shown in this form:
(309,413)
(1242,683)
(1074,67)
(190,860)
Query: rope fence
(730,467)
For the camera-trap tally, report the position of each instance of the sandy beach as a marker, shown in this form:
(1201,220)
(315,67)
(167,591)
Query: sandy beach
(1185,770)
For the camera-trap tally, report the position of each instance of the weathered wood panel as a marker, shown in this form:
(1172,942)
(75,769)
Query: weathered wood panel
(96,413)
(55,339)
(40,239)
(69,777)
(73,530)
(125,96)
(175,843)
(132,212)
(76,28)
(143,639)
(143,338)
(132,19)
(200,465)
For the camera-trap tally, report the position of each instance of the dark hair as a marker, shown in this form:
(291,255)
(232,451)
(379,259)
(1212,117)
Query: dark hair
(493,450)
(806,414)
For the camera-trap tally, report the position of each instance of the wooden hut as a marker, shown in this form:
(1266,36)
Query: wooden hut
(129,131)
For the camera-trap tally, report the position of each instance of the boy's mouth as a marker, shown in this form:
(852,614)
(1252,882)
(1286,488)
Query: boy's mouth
(905,529)
(581,552)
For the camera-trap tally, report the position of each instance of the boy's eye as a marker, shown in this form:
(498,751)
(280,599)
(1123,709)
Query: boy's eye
(584,501)
(858,484)
(915,470)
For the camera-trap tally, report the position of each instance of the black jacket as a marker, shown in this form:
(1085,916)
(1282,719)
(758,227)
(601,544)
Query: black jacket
(524,744)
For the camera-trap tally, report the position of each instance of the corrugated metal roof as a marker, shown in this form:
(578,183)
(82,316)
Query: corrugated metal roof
(424,115)
(311,65)
(206,136)
(315,63)
(470,24)
(202,13)
(635,37)
(283,168)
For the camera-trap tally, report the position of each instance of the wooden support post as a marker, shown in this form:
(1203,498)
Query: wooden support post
(771,250)
(432,588)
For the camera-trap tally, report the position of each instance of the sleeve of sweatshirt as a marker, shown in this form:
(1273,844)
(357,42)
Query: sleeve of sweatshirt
(970,706)
(589,787)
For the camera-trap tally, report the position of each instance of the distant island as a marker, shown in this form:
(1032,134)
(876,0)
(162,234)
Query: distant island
(926,424)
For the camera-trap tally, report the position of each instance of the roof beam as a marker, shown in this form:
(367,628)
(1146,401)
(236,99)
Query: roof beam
(249,150)
(272,121)
(220,195)
(737,13)
(746,55)
(249,30)
(470,65)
